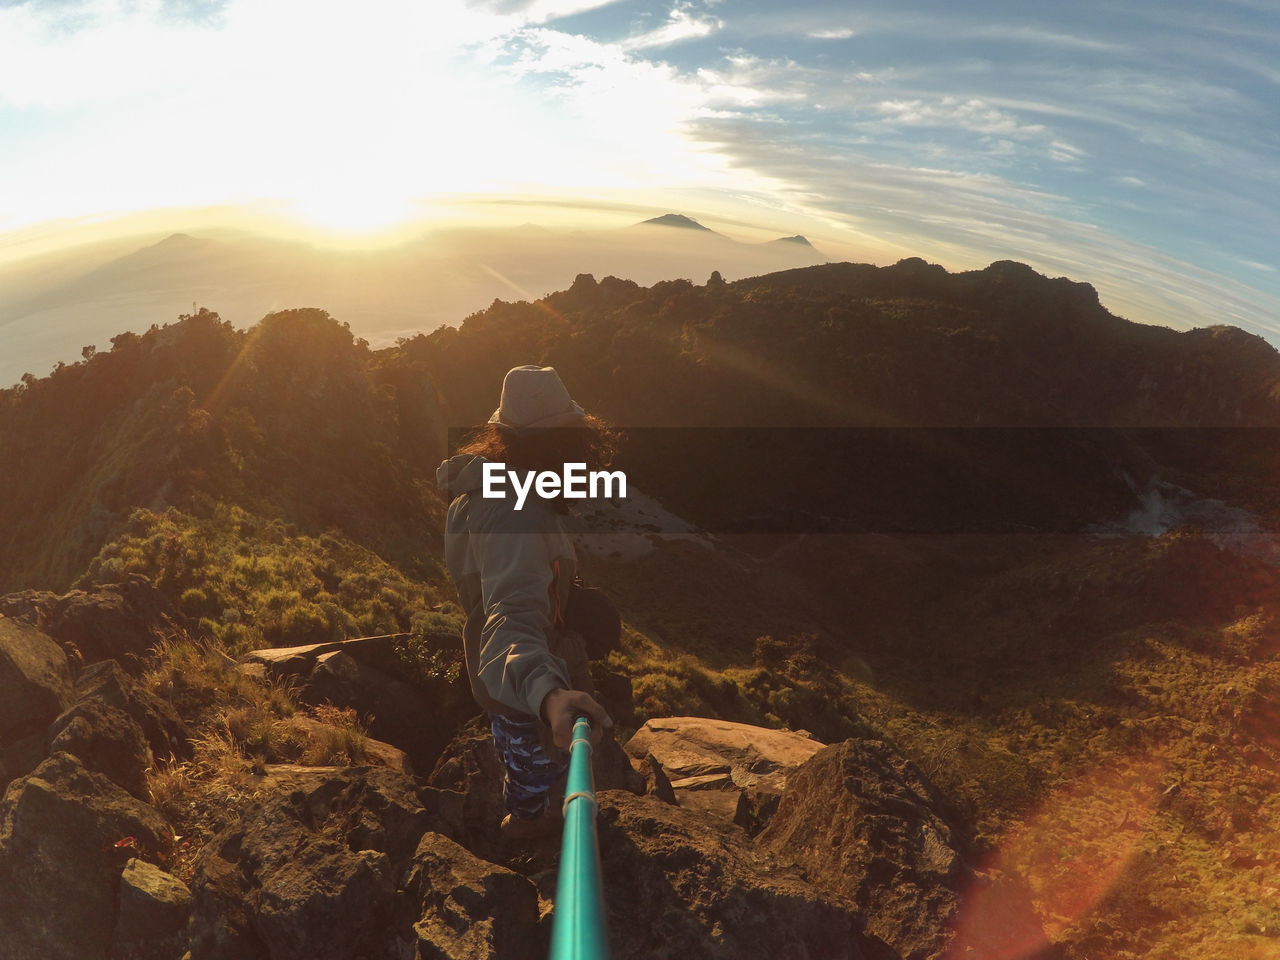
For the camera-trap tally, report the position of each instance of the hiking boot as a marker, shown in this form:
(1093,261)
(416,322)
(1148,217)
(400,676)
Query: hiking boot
(521,830)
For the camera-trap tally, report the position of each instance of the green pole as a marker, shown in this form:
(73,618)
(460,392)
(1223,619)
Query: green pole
(577,931)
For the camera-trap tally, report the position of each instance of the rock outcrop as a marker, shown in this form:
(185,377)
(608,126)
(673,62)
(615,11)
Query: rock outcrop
(65,835)
(679,883)
(857,858)
(35,679)
(114,622)
(733,770)
(864,824)
(151,921)
(36,684)
(344,862)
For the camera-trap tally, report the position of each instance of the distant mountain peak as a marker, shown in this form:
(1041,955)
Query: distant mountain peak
(798,240)
(675,220)
(174,239)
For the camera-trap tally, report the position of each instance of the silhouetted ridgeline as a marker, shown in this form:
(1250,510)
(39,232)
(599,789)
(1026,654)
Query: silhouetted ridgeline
(296,419)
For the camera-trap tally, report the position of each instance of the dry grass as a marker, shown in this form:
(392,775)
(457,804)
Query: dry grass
(241,724)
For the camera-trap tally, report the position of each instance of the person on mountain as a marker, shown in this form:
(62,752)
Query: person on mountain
(514,569)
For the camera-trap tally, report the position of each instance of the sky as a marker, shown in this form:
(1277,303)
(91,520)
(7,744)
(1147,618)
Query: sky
(1133,145)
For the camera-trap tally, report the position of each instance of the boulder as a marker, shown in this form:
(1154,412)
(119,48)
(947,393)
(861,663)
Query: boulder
(65,833)
(151,921)
(679,884)
(34,677)
(468,778)
(106,741)
(865,824)
(710,763)
(312,871)
(465,908)
(165,732)
(118,728)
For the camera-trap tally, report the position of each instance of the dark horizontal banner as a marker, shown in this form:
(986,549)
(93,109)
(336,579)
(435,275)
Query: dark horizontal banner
(937,480)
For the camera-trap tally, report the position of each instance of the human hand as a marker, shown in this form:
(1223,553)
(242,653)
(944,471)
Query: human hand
(560,708)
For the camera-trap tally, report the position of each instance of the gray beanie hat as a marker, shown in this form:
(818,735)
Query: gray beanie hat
(534,396)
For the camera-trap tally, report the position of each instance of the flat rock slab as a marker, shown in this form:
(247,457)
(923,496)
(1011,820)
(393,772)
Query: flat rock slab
(741,755)
(283,662)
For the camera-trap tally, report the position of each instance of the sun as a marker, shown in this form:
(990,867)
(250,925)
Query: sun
(355,211)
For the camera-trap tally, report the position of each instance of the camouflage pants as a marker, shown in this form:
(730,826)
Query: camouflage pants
(529,773)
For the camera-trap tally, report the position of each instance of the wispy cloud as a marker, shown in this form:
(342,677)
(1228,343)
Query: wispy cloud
(682,24)
(537,11)
(1035,36)
(971,114)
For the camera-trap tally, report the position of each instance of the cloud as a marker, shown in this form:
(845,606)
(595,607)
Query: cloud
(537,11)
(1034,36)
(681,25)
(971,114)
(837,33)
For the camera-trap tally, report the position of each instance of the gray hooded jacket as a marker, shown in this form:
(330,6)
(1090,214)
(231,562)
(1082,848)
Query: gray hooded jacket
(513,569)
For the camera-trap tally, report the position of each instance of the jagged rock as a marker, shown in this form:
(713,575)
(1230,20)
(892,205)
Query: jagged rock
(117,728)
(64,835)
(111,622)
(470,773)
(867,825)
(710,762)
(755,809)
(34,677)
(678,884)
(864,823)
(166,733)
(469,909)
(657,780)
(107,741)
(312,871)
(151,921)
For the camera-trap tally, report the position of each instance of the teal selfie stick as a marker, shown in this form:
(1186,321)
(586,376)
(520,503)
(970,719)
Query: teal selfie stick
(577,931)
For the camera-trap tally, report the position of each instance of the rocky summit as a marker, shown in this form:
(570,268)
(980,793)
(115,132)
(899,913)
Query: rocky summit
(854,858)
